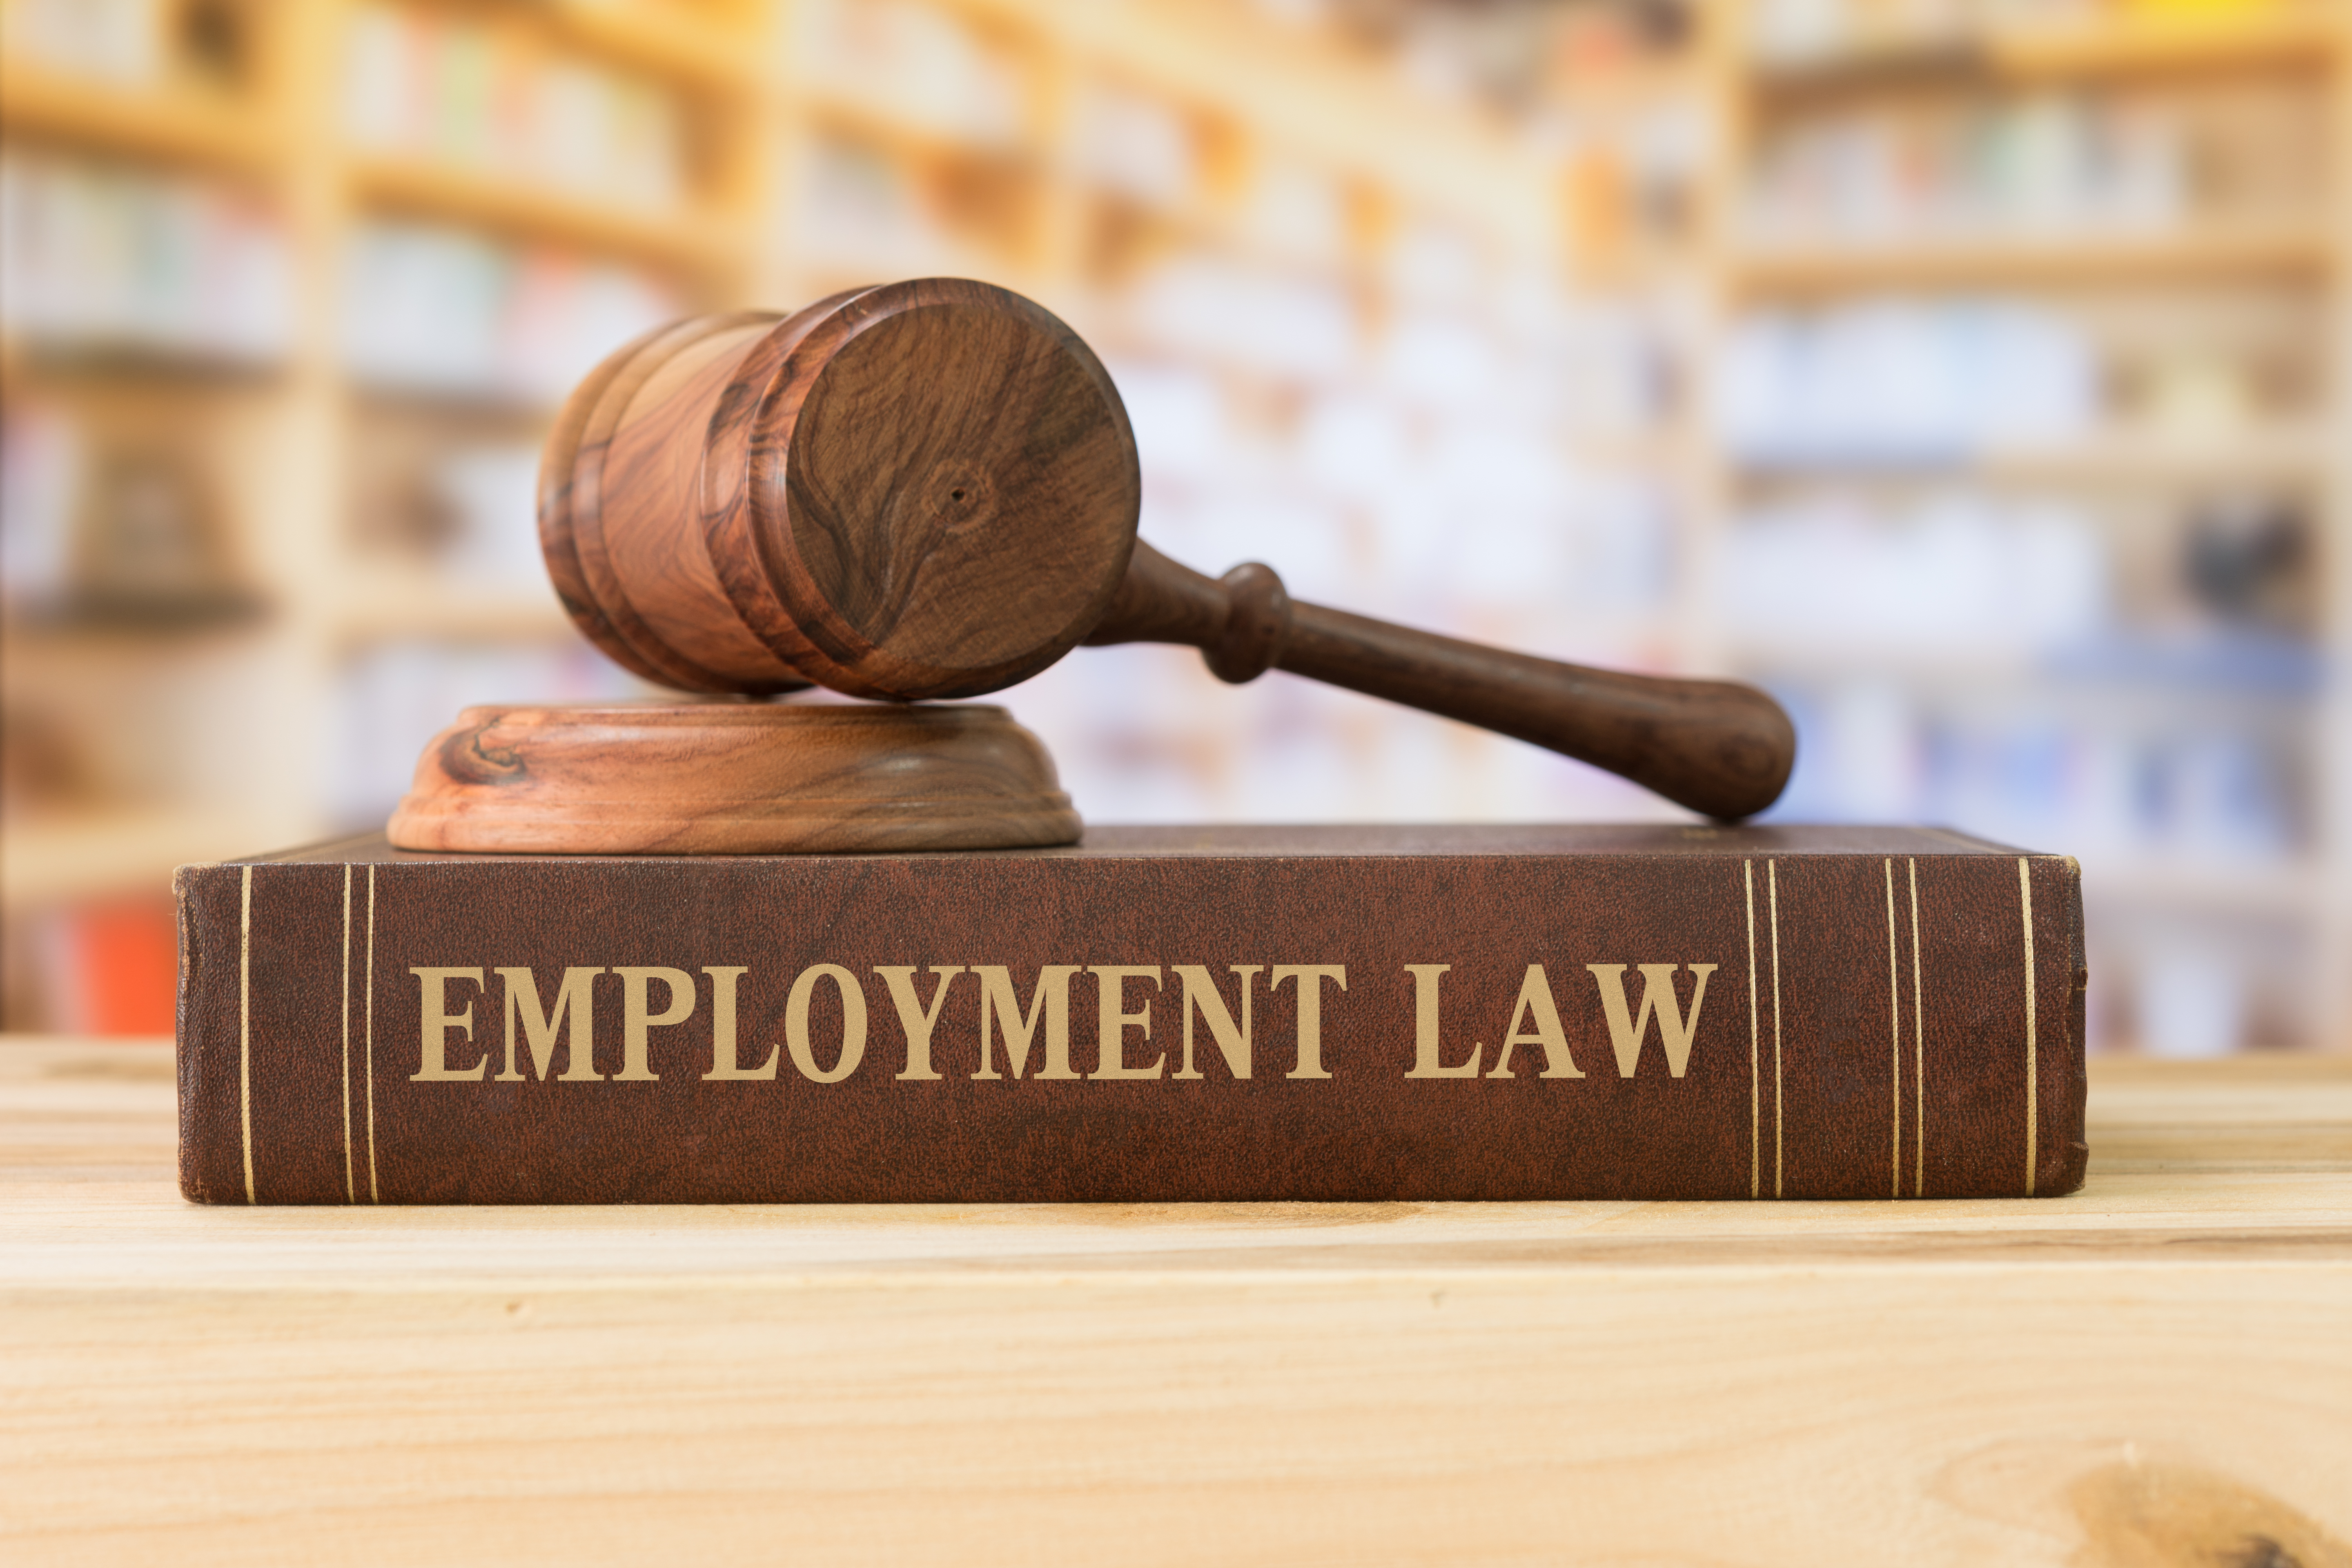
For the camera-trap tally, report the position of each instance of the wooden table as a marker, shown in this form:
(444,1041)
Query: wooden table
(2157,1370)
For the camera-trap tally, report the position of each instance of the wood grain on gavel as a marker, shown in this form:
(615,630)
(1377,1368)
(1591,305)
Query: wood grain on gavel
(930,490)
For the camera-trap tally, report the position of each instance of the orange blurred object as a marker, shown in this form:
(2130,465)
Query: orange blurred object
(118,968)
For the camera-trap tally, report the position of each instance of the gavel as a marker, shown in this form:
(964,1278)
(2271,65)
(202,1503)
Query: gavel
(930,490)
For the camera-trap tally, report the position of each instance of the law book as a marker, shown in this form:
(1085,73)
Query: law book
(1156,1014)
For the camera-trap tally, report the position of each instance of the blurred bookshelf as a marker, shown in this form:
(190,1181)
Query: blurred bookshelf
(2030,427)
(292,287)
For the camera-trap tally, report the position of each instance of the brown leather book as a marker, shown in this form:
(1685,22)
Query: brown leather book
(1168,1014)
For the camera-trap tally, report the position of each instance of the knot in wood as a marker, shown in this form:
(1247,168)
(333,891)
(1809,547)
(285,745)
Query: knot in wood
(470,757)
(1257,624)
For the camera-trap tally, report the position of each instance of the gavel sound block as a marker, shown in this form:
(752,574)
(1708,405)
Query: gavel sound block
(920,491)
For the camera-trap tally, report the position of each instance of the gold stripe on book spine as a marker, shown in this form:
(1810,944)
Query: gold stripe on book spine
(244,1027)
(2032,1056)
(1919,1050)
(1780,1121)
(376,1192)
(1895,1032)
(1755,1069)
(350,1182)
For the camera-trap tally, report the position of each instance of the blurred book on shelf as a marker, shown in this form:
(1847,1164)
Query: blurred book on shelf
(922,67)
(112,527)
(146,44)
(470,90)
(100,257)
(451,312)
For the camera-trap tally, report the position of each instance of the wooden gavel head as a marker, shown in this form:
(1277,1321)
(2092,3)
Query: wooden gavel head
(926,489)
(930,490)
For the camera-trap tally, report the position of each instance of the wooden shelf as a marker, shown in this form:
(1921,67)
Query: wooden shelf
(824,272)
(1218,226)
(2206,254)
(675,44)
(100,851)
(2112,458)
(1335,105)
(1971,667)
(1631,449)
(2041,53)
(108,360)
(860,119)
(2270,451)
(2305,35)
(506,412)
(176,125)
(1446,1383)
(2082,680)
(387,603)
(694,241)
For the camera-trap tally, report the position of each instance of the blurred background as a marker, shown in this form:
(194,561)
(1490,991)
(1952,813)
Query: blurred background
(1969,372)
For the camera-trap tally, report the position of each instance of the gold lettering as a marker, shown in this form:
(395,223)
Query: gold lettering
(576,995)
(1535,1006)
(1201,992)
(913,1016)
(1627,1032)
(1110,1042)
(636,1019)
(853,1023)
(723,1061)
(1426,1049)
(1000,1003)
(1310,978)
(433,1062)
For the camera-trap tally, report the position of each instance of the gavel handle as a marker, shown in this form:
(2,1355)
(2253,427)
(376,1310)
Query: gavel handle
(1715,746)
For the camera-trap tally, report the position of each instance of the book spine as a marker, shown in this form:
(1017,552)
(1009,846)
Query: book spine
(1066,1029)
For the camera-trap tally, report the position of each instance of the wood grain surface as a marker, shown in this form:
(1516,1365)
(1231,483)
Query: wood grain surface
(732,778)
(579,480)
(2151,1372)
(946,491)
